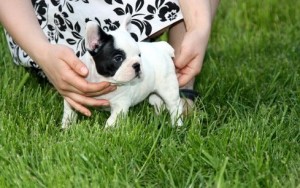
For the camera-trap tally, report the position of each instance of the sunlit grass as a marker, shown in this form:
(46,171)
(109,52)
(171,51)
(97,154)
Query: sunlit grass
(244,131)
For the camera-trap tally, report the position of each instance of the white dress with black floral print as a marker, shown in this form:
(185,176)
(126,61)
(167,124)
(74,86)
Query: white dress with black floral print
(63,21)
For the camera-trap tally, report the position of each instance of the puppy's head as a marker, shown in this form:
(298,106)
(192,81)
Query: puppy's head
(116,54)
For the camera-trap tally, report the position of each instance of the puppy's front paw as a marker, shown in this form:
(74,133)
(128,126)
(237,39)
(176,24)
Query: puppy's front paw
(66,122)
(110,123)
(68,119)
(69,116)
(65,126)
(179,122)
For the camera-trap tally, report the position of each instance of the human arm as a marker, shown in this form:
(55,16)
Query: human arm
(63,69)
(190,52)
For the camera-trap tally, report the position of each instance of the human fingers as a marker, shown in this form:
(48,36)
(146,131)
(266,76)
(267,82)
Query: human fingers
(92,89)
(81,86)
(103,91)
(73,78)
(74,62)
(183,79)
(72,82)
(87,101)
(78,107)
(187,73)
(79,103)
(183,58)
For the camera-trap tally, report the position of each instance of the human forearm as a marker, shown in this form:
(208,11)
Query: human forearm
(19,19)
(198,17)
(198,13)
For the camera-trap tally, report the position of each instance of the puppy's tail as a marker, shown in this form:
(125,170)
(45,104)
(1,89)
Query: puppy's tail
(164,46)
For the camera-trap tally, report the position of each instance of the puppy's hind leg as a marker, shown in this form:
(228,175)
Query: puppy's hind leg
(170,95)
(69,115)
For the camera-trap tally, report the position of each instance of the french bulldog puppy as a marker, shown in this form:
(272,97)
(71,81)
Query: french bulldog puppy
(140,69)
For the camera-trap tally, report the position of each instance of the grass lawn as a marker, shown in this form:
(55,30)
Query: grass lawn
(245,131)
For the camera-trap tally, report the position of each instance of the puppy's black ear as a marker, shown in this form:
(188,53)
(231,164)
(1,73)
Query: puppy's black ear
(94,37)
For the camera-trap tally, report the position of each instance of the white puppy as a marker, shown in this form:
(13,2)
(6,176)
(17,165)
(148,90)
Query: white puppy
(139,69)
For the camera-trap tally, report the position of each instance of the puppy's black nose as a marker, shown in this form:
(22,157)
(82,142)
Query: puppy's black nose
(136,67)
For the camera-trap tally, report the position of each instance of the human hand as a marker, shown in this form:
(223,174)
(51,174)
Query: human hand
(66,72)
(61,66)
(198,18)
(189,59)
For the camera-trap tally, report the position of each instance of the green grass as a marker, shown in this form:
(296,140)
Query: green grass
(245,131)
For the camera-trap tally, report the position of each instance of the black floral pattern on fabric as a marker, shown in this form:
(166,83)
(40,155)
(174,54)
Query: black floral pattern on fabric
(60,22)
(111,26)
(168,11)
(140,20)
(63,23)
(55,31)
(41,10)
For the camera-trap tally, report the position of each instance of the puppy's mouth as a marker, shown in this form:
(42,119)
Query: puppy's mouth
(138,74)
(120,83)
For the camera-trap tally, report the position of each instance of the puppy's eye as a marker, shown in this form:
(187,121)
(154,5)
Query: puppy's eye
(118,58)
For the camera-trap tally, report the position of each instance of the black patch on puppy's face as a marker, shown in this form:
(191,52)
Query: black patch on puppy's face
(107,58)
